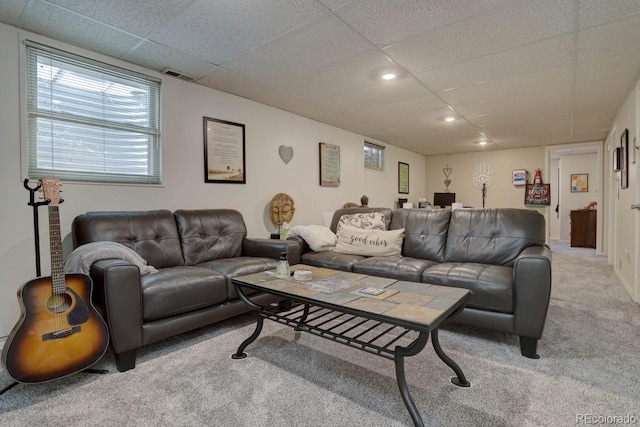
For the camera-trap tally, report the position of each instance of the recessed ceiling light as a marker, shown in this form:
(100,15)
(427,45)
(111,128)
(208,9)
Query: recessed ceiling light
(388,73)
(449,119)
(482,142)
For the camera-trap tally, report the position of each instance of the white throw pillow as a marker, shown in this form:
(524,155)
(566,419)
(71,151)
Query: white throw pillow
(318,237)
(356,241)
(369,221)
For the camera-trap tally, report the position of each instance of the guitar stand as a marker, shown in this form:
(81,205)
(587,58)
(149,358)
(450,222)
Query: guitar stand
(95,371)
(9,387)
(36,224)
(87,371)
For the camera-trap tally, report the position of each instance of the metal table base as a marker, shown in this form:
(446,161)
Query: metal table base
(366,334)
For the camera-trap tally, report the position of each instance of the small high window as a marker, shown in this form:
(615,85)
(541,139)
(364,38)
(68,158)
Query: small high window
(373,156)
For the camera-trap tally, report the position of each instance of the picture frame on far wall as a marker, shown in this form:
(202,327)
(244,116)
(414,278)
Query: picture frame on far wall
(579,182)
(224,152)
(624,159)
(403,178)
(519,177)
(329,165)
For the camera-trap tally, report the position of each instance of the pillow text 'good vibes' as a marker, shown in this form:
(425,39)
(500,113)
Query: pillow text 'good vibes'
(355,241)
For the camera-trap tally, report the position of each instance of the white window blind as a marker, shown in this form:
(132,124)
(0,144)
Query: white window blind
(90,121)
(373,156)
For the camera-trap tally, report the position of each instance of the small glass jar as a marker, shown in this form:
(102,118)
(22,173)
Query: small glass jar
(282,270)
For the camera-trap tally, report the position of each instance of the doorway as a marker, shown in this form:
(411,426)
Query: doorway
(563,161)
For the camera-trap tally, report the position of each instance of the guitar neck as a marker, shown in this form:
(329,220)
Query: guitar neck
(55,247)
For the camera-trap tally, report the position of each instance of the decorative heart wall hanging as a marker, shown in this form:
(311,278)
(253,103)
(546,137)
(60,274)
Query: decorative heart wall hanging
(286,153)
(446,171)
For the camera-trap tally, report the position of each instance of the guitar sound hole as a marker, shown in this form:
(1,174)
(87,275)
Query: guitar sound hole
(59,303)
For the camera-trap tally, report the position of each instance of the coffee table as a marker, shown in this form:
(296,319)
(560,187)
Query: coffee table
(393,324)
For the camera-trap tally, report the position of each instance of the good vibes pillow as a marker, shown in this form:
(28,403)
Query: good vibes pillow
(369,220)
(356,241)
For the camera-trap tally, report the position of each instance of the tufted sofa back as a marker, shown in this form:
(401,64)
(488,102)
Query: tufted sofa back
(493,236)
(152,234)
(208,234)
(425,232)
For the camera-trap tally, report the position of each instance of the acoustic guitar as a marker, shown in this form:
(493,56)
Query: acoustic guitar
(59,331)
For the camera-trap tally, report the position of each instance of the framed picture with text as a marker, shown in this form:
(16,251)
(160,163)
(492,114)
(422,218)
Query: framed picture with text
(403,178)
(329,165)
(224,158)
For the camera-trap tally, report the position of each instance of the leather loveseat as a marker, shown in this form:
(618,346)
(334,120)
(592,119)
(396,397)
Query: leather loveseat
(499,254)
(196,253)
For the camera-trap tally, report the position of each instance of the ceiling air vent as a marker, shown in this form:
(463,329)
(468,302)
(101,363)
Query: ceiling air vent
(177,75)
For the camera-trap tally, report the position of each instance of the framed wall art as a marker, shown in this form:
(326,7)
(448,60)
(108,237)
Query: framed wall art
(224,152)
(579,182)
(519,177)
(537,194)
(624,159)
(329,165)
(403,178)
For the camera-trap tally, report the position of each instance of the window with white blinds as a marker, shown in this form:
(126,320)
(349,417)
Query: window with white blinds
(90,121)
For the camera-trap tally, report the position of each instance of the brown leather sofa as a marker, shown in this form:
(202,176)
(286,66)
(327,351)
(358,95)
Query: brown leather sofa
(196,252)
(499,254)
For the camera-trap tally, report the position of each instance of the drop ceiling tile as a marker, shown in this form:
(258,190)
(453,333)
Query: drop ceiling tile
(609,39)
(158,57)
(69,27)
(517,24)
(541,56)
(596,12)
(441,132)
(234,83)
(546,87)
(314,45)
(228,28)
(387,21)
(592,126)
(138,17)
(381,93)
(11,10)
(334,4)
(426,104)
(594,91)
(528,133)
(339,77)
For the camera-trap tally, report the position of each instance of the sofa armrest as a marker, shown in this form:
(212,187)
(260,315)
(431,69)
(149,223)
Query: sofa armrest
(117,293)
(304,246)
(271,248)
(532,282)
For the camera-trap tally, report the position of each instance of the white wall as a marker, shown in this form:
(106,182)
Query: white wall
(502,193)
(184,105)
(626,221)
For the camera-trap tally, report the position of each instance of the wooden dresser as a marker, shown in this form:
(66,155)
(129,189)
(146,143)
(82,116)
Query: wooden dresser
(583,228)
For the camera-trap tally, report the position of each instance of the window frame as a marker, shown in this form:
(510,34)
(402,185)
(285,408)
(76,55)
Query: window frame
(143,138)
(376,147)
